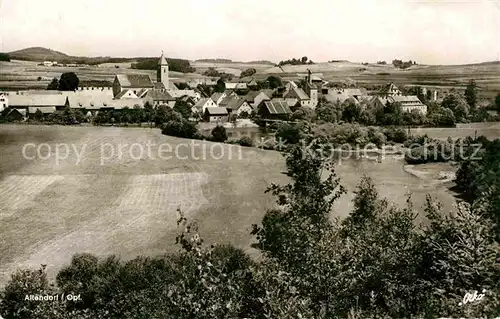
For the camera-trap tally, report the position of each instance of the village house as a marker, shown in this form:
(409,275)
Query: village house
(203,103)
(254,98)
(236,105)
(389,90)
(217,97)
(236,86)
(216,114)
(157,98)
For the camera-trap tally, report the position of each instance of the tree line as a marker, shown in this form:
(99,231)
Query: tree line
(176,65)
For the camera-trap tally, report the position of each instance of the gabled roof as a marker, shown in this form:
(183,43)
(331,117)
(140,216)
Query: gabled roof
(159,86)
(289,102)
(406,100)
(216,96)
(157,95)
(277,107)
(123,95)
(135,81)
(233,103)
(20,111)
(201,102)
(388,88)
(94,83)
(37,100)
(216,110)
(295,92)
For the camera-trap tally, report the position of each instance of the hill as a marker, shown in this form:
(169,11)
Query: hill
(38,54)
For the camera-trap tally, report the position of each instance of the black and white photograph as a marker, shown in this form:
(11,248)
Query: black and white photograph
(249,159)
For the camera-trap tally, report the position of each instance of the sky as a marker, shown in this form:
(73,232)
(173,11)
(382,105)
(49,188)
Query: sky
(429,32)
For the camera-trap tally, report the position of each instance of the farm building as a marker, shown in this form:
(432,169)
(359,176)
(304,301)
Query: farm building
(408,103)
(24,101)
(86,103)
(274,109)
(216,114)
(134,82)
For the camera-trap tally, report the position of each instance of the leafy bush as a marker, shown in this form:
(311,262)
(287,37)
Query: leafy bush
(288,133)
(180,128)
(219,134)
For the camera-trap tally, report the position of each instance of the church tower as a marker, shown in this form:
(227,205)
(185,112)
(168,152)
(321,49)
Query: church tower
(162,72)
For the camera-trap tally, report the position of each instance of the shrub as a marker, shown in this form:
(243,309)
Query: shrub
(182,128)
(245,141)
(219,134)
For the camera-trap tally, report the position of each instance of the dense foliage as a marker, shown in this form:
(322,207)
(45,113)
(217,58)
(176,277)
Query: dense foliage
(403,64)
(248,72)
(294,61)
(4,57)
(176,65)
(480,180)
(68,82)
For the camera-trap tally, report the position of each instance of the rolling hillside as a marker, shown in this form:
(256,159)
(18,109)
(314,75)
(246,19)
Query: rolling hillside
(38,54)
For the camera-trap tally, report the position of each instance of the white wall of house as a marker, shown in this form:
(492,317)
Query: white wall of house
(208,103)
(245,107)
(421,108)
(4,102)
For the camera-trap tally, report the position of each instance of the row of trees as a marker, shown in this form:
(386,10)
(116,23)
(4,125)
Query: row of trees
(403,64)
(377,262)
(176,65)
(294,61)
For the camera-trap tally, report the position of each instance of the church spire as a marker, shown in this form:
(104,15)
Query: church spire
(162,60)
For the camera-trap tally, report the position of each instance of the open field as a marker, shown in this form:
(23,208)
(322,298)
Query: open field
(487,75)
(490,130)
(126,204)
(24,74)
